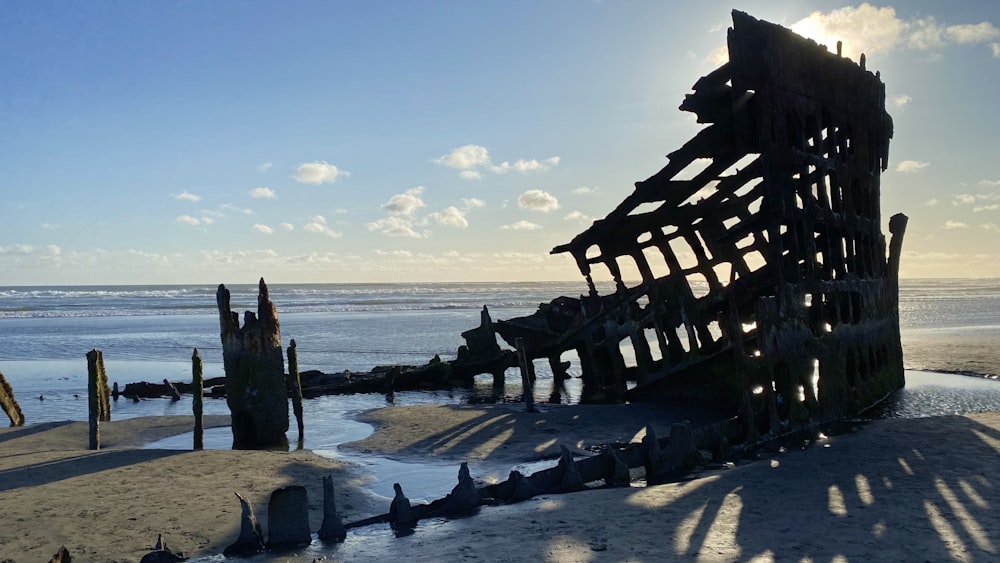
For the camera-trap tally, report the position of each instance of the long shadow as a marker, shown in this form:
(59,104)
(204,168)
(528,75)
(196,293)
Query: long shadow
(913,490)
(23,431)
(36,474)
(459,440)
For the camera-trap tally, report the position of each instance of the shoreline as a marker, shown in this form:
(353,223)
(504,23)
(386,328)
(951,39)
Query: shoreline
(902,487)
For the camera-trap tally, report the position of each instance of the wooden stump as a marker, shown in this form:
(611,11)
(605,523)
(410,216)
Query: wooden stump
(255,373)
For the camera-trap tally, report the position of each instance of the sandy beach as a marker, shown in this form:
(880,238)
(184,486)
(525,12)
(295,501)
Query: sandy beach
(896,490)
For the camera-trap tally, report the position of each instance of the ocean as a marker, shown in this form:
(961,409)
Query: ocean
(148,333)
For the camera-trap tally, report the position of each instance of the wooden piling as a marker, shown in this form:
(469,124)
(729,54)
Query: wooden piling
(527,371)
(103,390)
(94,364)
(293,373)
(198,391)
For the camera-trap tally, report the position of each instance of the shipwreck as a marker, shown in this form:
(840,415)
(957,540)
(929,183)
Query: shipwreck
(766,286)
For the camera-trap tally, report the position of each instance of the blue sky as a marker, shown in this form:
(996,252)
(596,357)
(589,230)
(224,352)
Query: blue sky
(218,142)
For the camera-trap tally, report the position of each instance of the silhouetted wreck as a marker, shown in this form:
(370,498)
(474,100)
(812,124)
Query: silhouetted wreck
(766,287)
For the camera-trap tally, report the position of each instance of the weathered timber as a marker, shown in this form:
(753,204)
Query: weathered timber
(197,404)
(256,391)
(9,403)
(95,363)
(288,518)
(332,527)
(172,391)
(436,374)
(251,538)
(757,250)
(61,556)
(527,376)
(295,387)
(148,390)
(105,390)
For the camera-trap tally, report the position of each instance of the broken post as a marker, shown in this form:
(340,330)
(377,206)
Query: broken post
(175,395)
(94,363)
(255,373)
(293,374)
(104,392)
(526,378)
(198,391)
(9,404)
(332,528)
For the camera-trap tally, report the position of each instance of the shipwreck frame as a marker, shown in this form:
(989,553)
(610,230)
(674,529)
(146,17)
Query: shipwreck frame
(766,284)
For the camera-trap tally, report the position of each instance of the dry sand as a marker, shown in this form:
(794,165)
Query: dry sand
(897,490)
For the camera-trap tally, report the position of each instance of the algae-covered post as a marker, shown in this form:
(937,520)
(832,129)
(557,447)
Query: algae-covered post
(9,404)
(95,364)
(198,391)
(293,374)
(255,373)
(103,391)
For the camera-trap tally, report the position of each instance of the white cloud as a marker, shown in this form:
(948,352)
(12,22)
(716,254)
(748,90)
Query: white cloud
(955,225)
(994,183)
(263,193)
(992,227)
(869,29)
(452,217)
(931,202)
(526,166)
(263,229)
(188,220)
(473,160)
(265,166)
(578,216)
(995,47)
(53,250)
(583,190)
(207,221)
(990,207)
(318,225)
(319,172)
(186,196)
(405,203)
(522,226)
(288,226)
(395,226)
(538,200)
(467,157)
(908,166)
(900,101)
(964,198)
(473,203)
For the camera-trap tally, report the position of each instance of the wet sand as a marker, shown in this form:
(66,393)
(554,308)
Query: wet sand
(898,490)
